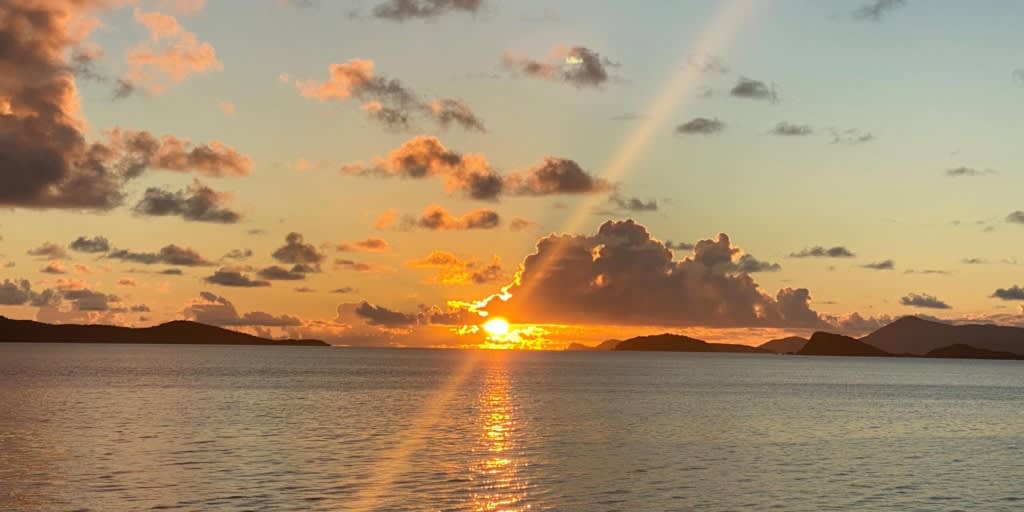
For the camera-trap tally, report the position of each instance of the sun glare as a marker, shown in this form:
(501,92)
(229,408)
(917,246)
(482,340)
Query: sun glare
(496,327)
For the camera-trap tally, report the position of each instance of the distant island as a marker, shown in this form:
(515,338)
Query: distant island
(178,332)
(909,336)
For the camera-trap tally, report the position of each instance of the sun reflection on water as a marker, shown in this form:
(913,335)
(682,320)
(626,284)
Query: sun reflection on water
(499,486)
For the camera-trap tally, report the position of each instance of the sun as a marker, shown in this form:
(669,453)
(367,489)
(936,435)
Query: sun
(496,327)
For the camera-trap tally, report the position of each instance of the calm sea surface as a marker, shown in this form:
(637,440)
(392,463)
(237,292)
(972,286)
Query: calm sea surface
(120,427)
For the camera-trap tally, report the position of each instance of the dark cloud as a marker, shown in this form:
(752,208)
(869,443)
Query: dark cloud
(347,264)
(850,136)
(15,293)
(94,244)
(278,273)
(1011,293)
(791,130)
(238,254)
(436,218)
(928,272)
(554,176)
(880,265)
(171,272)
(297,251)
(578,66)
(405,10)
(343,289)
(384,317)
(681,246)
(754,89)
(623,276)
(89,300)
(304,289)
(923,301)
(749,264)
(821,252)
(876,9)
(372,244)
(700,126)
(168,255)
(632,204)
(140,308)
(1016,217)
(234,277)
(48,250)
(968,171)
(216,310)
(386,100)
(54,267)
(45,159)
(195,203)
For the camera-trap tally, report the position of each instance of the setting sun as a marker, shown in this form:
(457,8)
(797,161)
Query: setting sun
(496,327)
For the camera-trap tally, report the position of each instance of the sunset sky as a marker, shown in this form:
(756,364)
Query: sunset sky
(385,172)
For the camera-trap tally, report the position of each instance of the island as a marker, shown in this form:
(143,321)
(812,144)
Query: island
(678,343)
(790,345)
(178,332)
(828,344)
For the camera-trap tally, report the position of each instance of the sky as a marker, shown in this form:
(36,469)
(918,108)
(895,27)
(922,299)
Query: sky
(385,172)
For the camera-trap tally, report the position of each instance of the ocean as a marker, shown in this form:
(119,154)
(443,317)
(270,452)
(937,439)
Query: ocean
(160,427)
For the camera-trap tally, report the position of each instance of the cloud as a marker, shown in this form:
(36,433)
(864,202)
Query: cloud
(974,261)
(452,270)
(387,219)
(707,63)
(382,316)
(367,268)
(578,66)
(700,126)
(196,203)
(405,10)
(628,116)
(15,293)
(171,55)
(554,176)
(213,309)
(850,136)
(372,244)
(126,281)
(91,245)
(791,130)
(279,273)
(968,171)
(632,204)
(234,277)
(821,252)
(876,9)
(1016,217)
(386,100)
(54,267)
(238,254)
(141,149)
(48,250)
(436,218)
(681,246)
(1011,293)
(89,300)
(923,301)
(754,89)
(171,272)
(343,289)
(425,156)
(880,265)
(749,264)
(227,108)
(297,251)
(304,289)
(169,255)
(521,224)
(928,272)
(621,275)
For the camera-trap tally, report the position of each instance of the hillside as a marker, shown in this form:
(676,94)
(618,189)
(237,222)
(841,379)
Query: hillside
(917,336)
(828,344)
(678,343)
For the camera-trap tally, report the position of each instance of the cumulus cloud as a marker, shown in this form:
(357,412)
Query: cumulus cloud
(372,244)
(453,270)
(923,301)
(386,100)
(213,309)
(578,66)
(279,273)
(141,150)
(54,267)
(234,277)
(169,255)
(89,300)
(821,252)
(91,245)
(296,251)
(1016,217)
(876,9)
(238,254)
(754,89)
(850,136)
(621,275)
(968,171)
(195,203)
(632,204)
(170,55)
(700,126)
(1011,293)
(382,316)
(48,250)
(681,246)
(436,218)
(880,265)
(785,129)
(405,10)
(424,156)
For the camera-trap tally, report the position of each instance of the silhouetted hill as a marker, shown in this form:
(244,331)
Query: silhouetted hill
(961,351)
(177,332)
(790,345)
(828,344)
(913,335)
(604,345)
(678,343)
